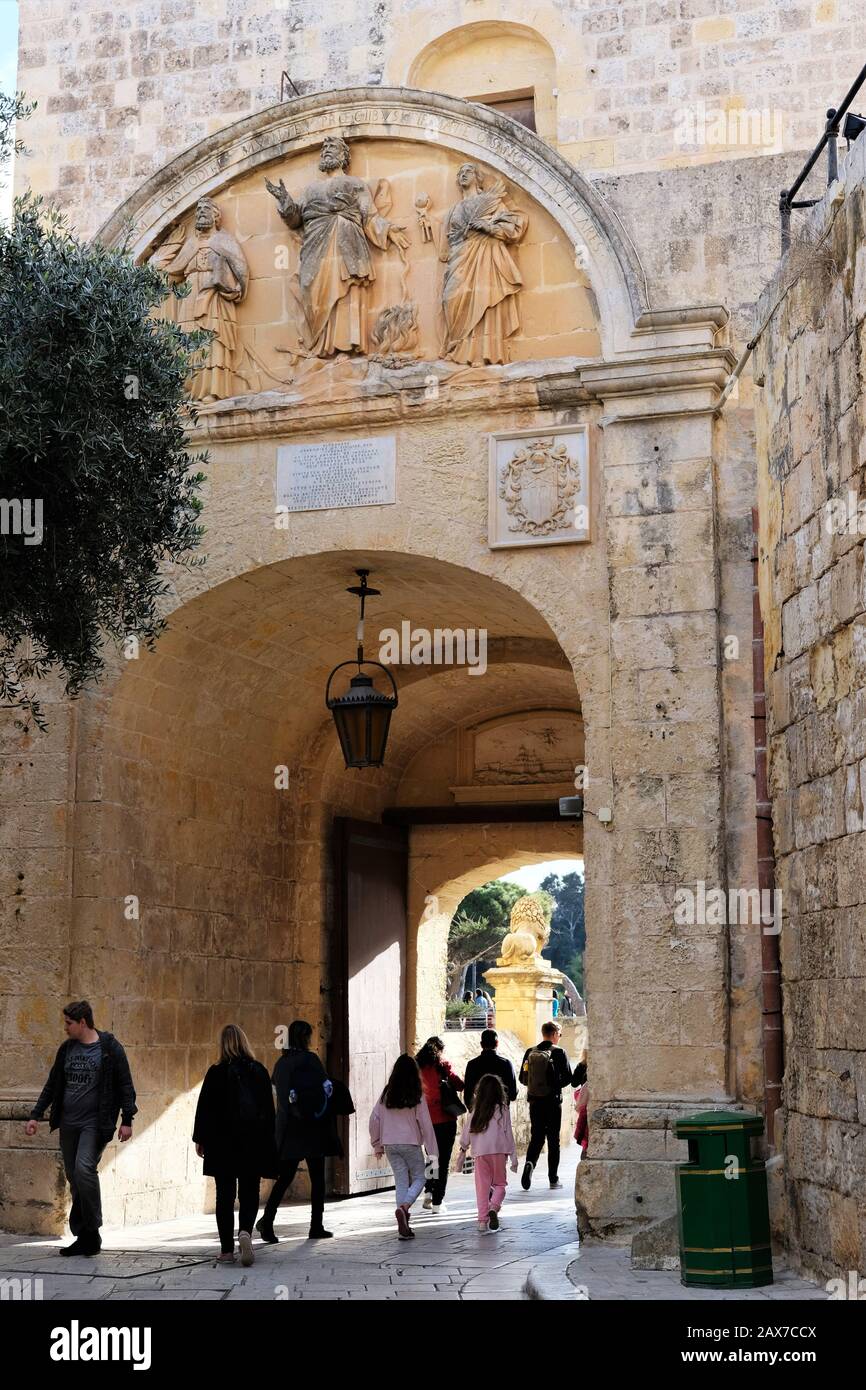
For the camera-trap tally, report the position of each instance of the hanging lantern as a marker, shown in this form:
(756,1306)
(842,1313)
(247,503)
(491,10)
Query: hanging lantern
(363,714)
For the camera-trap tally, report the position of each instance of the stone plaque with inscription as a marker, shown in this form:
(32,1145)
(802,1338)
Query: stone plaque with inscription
(337,473)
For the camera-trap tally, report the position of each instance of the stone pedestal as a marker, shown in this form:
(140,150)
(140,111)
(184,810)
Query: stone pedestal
(524,998)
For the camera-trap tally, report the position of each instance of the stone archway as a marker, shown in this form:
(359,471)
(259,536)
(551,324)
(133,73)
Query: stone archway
(234,686)
(445,865)
(232,876)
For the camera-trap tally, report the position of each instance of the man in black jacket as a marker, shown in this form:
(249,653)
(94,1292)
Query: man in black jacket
(88,1086)
(544,1071)
(489,1062)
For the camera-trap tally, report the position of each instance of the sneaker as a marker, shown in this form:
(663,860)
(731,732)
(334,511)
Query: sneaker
(526,1176)
(245,1245)
(554,1183)
(402,1224)
(436,1210)
(319,1233)
(226,1257)
(493,1220)
(75,1248)
(266,1231)
(428,1201)
(483,1228)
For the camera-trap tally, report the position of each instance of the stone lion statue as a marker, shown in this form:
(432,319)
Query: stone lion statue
(529,934)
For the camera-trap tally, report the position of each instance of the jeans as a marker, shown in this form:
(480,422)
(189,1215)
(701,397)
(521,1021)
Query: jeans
(247,1192)
(82,1149)
(407,1165)
(491,1181)
(445,1136)
(316,1169)
(545,1118)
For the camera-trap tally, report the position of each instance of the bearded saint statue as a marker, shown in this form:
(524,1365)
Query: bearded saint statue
(479,292)
(339,222)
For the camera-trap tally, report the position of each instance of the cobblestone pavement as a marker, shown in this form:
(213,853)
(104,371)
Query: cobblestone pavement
(449,1258)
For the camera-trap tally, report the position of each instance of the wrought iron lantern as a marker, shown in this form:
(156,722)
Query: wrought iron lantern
(363,714)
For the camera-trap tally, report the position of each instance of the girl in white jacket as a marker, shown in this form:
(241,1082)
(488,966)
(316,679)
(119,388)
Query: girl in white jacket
(487,1131)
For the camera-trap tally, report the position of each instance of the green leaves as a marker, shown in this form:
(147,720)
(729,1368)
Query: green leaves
(92,417)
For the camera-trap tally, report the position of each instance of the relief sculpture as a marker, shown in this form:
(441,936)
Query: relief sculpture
(211,261)
(339,221)
(479,293)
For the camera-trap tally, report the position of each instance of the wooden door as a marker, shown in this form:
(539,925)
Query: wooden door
(368,1031)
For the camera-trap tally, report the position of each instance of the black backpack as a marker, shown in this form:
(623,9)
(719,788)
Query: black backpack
(243,1101)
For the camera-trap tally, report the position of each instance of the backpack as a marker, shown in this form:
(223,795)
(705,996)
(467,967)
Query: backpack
(242,1096)
(539,1075)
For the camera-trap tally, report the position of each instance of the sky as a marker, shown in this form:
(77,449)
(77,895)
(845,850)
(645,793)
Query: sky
(8,73)
(531,876)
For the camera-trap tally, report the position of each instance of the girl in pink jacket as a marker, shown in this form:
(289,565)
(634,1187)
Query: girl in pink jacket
(399,1125)
(487,1131)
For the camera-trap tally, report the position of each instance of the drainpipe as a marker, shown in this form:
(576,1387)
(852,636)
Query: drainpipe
(771,975)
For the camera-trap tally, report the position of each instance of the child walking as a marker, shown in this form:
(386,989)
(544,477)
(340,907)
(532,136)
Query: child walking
(487,1131)
(399,1125)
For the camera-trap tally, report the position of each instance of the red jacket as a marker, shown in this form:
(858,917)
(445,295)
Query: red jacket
(430,1080)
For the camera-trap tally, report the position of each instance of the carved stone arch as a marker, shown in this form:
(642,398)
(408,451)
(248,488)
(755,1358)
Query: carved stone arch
(600,247)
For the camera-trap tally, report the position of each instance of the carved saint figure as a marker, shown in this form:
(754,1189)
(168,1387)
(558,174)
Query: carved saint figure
(479,293)
(338,221)
(218,274)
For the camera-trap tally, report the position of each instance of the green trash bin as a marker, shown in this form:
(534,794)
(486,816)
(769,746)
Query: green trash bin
(724,1220)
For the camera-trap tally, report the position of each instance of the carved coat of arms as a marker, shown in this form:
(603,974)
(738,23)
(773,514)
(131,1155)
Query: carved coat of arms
(538,486)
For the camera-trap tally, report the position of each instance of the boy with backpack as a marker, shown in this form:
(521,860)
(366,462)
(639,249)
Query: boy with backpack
(544,1071)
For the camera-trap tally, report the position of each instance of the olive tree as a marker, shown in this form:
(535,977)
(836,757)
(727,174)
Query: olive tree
(98,489)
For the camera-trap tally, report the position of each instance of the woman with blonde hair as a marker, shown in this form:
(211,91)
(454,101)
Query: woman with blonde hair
(234,1134)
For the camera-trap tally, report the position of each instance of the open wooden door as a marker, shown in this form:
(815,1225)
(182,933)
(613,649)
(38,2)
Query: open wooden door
(368,1023)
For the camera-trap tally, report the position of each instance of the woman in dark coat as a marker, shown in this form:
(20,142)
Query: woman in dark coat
(306,1129)
(234,1134)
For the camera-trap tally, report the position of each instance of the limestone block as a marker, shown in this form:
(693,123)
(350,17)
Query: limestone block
(658,540)
(621,1196)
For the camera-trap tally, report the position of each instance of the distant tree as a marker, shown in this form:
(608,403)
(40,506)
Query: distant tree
(567,928)
(93,448)
(478,926)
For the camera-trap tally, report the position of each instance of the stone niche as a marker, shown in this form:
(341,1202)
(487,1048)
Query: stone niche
(414,187)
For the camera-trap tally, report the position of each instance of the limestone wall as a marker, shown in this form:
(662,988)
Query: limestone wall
(124,88)
(812,480)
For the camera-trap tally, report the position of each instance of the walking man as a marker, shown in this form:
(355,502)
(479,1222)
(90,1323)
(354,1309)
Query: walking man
(544,1071)
(88,1086)
(489,1063)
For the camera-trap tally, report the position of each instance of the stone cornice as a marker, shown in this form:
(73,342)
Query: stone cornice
(676,381)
